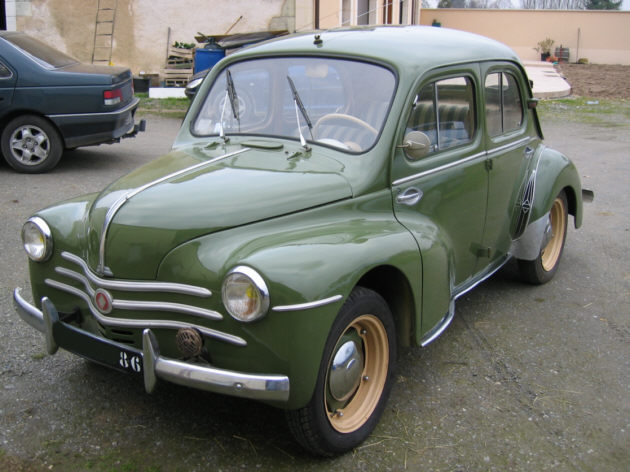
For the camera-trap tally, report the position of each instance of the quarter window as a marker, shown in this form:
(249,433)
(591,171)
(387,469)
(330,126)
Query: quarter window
(4,71)
(444,111)
(504,110)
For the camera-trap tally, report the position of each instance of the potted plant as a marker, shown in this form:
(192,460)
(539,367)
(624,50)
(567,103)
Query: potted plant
(544,48)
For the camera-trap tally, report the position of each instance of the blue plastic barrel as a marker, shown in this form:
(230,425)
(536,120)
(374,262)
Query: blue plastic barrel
(206,58)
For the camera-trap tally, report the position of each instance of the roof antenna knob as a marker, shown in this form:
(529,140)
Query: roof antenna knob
(318,40)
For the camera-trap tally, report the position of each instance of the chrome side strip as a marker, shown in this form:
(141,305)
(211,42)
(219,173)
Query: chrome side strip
(308,305)
(143,324)
(109,216)
(467,287)
(129,286)
(440,327)
(440,168)
(134,103)
(507,147)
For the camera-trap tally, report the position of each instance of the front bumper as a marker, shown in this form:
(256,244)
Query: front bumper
(147,362)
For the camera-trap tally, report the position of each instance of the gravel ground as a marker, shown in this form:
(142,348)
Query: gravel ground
(526,378)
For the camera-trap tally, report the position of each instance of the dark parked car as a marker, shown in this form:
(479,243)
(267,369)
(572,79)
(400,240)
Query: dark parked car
(324,203)
(49,102)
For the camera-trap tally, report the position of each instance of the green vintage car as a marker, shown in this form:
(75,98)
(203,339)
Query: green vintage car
(328,198)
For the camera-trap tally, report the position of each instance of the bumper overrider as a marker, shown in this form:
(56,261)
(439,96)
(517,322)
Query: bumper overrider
(146,362)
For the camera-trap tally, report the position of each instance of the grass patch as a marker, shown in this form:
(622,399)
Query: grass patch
(170,107)
(605,112)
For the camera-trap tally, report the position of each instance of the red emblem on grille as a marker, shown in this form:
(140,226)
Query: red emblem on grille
(103,301)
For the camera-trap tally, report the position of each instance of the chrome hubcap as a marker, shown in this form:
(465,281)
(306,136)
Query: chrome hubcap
(345,371)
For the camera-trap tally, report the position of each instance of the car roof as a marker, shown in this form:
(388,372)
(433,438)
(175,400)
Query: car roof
(426,45)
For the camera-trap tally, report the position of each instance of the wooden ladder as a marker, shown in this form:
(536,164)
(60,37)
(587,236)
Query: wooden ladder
(104,31)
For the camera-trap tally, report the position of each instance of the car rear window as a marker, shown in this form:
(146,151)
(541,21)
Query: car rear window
(41,53)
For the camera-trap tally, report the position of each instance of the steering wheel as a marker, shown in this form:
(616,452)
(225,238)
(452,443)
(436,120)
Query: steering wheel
(343,117)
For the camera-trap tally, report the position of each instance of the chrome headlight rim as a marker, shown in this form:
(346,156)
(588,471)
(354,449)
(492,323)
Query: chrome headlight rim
(257,283)
(194,83)
(44,230)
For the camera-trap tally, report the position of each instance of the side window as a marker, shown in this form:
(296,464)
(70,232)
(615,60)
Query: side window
(5,72)
(444,111)
(504,110)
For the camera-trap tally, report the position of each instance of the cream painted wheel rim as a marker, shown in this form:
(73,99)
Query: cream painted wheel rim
(364,400)
(551,252)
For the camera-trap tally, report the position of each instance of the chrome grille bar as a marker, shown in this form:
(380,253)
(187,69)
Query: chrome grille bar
(142,324)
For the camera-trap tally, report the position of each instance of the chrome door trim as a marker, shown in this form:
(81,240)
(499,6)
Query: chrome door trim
(440,168)
(510,146)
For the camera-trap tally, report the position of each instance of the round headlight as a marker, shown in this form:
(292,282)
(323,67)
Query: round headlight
(245,294)
(37,239)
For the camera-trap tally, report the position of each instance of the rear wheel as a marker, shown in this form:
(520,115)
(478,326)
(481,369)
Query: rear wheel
(354,379)
(31,144)
(542,269)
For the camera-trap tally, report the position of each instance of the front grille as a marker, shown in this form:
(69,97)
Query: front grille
(149,298)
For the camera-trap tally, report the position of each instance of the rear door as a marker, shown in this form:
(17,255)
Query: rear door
(8,79)
(510,151)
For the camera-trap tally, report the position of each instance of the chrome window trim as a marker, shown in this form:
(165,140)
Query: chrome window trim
(142,324)
(109,216)
(308,305)
(130,286)
(440,168)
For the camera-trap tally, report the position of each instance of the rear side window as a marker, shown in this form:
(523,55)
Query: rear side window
(504,110)
(444,111)
(5,73)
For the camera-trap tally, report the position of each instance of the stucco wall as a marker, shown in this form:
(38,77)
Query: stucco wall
(141,30)
(604,36)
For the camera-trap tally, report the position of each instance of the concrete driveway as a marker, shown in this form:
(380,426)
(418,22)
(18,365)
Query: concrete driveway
(526,378)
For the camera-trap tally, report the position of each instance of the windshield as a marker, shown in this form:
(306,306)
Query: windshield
(335,102)
(41,53)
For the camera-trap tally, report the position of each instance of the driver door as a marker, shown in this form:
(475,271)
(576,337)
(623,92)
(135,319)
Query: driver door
(441,197)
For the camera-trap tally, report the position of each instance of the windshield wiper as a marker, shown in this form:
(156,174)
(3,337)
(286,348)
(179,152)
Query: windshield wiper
(230,95)
(299,105)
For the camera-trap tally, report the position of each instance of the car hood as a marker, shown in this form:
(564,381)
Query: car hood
(196,191)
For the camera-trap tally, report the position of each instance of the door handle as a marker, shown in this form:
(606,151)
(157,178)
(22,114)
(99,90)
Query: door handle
(529,152)
(409,196)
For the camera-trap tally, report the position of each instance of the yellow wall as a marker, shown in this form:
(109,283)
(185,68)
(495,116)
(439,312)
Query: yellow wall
(141,29)
(604,35)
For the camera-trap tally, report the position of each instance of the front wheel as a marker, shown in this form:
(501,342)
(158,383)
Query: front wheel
(354,380)
(31,144)
(542,269)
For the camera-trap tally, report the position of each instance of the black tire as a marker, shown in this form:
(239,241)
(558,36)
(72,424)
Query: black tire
(30,144)
(346,407)
(542,269)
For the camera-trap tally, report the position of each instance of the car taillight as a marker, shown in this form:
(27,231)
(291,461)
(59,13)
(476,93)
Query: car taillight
(112,97)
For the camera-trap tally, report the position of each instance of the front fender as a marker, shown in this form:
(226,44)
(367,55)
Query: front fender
(305,257)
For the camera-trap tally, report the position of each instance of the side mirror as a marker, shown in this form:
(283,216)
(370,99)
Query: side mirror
(416,145)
